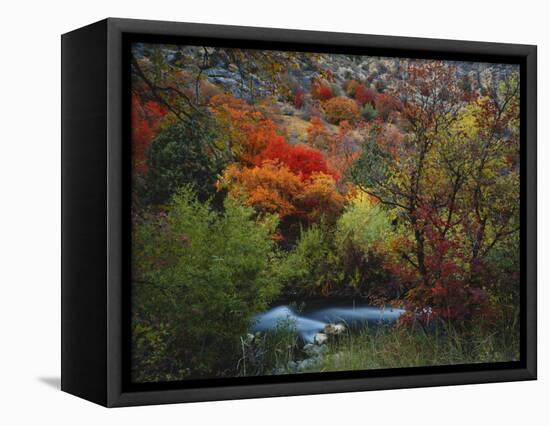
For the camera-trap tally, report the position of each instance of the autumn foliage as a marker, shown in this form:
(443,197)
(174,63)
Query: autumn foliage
(298,100)
(246,131)
(301,160)
(274,188)
(317,133)
(364,95)
(386,105)
(341,108)
(146,117)
(271,188)
(350,86)
(321,91)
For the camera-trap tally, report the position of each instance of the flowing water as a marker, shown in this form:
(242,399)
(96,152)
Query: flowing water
(312,319)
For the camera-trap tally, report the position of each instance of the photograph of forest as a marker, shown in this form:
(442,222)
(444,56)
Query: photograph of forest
(298,212)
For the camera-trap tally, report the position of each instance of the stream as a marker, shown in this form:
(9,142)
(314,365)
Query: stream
(313,317)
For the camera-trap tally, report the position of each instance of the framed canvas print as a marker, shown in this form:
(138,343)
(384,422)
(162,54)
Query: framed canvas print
(255,212)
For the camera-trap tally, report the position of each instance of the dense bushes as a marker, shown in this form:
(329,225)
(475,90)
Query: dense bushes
(199,277)
(350,86)
(300,159)
(364,223)
(310,269)
(321,91)
(273,188)
(386,105)
(364,95)
(344,258)
(341,108)
(182,144)
(368,112)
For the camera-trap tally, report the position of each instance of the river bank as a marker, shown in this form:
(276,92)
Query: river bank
(346,338)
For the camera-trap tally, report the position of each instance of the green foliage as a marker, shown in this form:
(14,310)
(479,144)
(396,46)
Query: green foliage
(372,167)
(336,89)
(310,267)
(364,223)
(339,260)
(368,112)
(380,86)
(199,277)
(394,347)
(270,352)
(183,154)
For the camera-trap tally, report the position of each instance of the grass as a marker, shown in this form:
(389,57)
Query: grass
(398,347)
(379,347)
(270,352)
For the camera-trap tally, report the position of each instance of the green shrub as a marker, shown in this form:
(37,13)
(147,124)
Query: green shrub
(340,260)
(336,89)
(182,154)
(199,277)
(311,267)
(364,223)
(368,112)
(380,86)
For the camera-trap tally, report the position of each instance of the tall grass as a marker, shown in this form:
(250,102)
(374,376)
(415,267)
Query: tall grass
(396,347)
(380,347)
(270,352)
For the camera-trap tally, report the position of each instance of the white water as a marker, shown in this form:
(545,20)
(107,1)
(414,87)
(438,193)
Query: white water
(309,323)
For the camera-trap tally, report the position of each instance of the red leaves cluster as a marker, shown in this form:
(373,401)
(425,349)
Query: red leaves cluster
(364,95)
(259,140)
(298,99)
(321,91)
(386,105)
(273,175)
(246,130)
(449,289)
(146,116)
(301,160)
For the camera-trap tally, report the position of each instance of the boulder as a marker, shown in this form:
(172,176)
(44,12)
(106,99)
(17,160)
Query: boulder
(249,338)
(315,350)
(307,363)
(292,366)
(334,329)
(320,338)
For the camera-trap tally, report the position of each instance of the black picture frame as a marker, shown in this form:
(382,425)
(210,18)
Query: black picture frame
(96,225)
